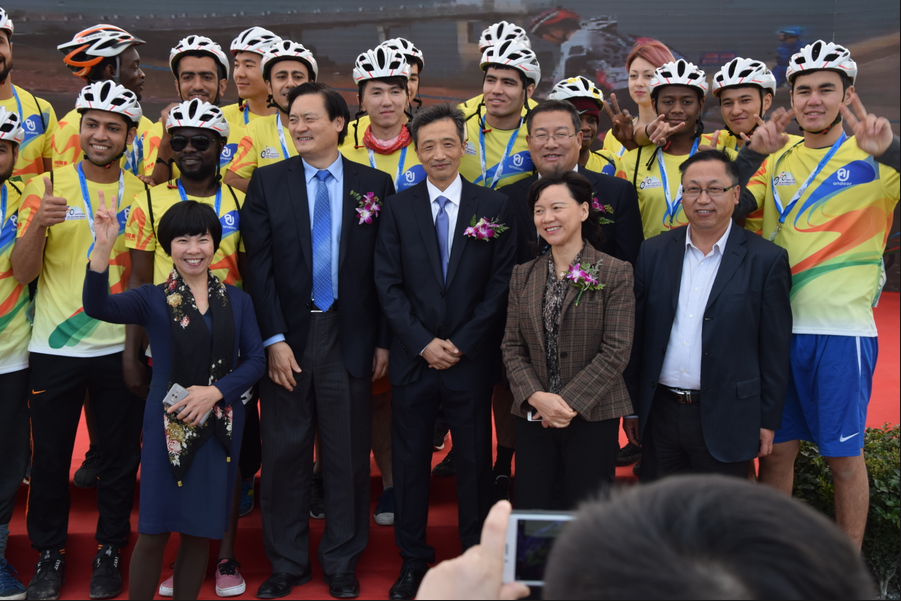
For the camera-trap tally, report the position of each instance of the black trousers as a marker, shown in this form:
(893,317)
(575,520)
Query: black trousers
(673,443)
(15,447)
(582,456)
(414,408)
(251,447)
(341,405)
(58,385)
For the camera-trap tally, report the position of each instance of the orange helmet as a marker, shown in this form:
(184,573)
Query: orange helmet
(90,46)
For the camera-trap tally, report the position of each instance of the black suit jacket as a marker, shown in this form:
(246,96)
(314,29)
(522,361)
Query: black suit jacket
(622,238)
(275,226)
(469,310)
(746,337)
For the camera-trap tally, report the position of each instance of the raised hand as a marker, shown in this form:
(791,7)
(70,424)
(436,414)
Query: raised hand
(659,131)
(770,136)
(52,209)
(622,122)
(713,142)
(873,134)
(106,224)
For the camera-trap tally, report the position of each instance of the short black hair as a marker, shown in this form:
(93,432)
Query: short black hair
(188,218)
(555,106)
(703,537)
(96,72)
(582,192)
(437,112)
(335,105)
(526,82)
(846,79)
(712,155)
(398,80)
(220,68)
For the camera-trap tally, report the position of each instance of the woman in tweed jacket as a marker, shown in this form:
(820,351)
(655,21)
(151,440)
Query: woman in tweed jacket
(568,339)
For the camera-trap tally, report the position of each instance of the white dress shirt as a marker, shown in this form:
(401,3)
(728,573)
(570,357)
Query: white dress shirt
(452,208)
(682,363)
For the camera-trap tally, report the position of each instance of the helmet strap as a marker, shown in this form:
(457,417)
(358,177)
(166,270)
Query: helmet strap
(271,103)
(356,126)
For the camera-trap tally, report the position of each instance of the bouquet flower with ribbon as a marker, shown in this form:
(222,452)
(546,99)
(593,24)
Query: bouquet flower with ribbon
(484,229)
(368,206)
(584,276)
(604,210)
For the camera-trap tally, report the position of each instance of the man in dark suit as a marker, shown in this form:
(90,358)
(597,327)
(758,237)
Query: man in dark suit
(713,327)
(310,226)
(555,140)
(443,286)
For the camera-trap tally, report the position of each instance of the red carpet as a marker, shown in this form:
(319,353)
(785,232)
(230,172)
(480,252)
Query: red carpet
(380,563)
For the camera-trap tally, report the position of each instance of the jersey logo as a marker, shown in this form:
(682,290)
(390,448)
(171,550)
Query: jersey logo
(521,161)
(843,174)
(650,182)
(75,214)
(269,153)
(122,217)
(229,222)
(228,153)
(411,177)
(470,149)
(785,178)
(33,126)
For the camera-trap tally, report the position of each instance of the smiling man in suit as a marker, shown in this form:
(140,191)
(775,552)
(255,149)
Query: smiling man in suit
(443,286)
(311,224)
(713,325)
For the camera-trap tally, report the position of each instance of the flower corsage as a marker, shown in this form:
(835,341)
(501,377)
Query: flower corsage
(368,206)
(584,276)
(604,210)
(484,229)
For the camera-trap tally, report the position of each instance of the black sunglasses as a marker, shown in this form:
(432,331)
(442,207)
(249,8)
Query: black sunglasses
(199,142)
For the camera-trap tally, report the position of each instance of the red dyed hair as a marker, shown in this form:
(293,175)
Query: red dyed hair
(653,51)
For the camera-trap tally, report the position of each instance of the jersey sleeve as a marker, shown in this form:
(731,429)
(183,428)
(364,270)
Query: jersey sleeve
(891,184)
(152,138)
(245,161)
(52,126)
(31,202)
(757,186)
(139,233)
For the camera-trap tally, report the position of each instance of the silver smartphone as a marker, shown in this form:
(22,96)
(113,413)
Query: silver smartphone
(177,394)
(530,538)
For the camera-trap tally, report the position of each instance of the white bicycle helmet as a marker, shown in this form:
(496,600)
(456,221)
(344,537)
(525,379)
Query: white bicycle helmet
(743,72)
(678,73)
(821,56)
(406,47)
(513,54)
(11,126)
(200,114)
(502,31)
(201,44)
(90,46)
(286,49)
(577,87)
(380,62)
(109,96)
(6,24)
(255,39)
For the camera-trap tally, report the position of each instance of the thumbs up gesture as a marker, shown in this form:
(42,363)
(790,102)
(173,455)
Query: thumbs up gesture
(52,209)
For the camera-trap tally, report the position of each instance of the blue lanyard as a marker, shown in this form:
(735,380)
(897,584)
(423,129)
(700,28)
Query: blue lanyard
(19,104)
(184,195)
(281,134)
(3,195)
(86,196)
(500,164)
(783,212)
(672,207)
(246,114)
(400,165)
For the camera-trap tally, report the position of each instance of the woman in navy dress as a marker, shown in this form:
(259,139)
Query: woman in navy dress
(197,327)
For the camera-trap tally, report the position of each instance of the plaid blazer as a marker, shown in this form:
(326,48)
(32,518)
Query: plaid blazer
(594,344)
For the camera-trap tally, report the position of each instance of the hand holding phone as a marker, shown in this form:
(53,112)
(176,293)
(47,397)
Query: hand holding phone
(193,405)
(530,538)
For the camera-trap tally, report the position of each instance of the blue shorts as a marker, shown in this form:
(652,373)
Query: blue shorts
(828,392)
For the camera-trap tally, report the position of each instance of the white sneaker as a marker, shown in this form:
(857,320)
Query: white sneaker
(166,587)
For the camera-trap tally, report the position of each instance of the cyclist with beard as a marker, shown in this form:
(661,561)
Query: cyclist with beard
(248,50)
(15,331)
(72,353)
(285,66)
(200,68)
(102,53)
(497,153)
(38,117)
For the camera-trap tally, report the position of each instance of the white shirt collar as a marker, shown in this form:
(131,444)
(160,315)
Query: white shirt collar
(719,245)
(453,192)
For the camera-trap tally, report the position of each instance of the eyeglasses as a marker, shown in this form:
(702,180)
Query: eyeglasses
(199,142)
(693,192)
(558,137)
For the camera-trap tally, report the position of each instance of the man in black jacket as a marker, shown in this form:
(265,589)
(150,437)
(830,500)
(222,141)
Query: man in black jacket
(444,257)
(310,226)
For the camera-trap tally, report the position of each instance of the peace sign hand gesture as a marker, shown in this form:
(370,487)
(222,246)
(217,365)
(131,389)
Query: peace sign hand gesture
(873,134)
(770,136)
(622,122)
(659,131)
(106,224)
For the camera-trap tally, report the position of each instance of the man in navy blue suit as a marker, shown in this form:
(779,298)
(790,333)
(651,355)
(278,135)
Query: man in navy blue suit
(443,287)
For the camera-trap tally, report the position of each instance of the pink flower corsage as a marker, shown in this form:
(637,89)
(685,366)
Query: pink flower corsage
(484,229)
(368,207)
(584,276)
(604,210)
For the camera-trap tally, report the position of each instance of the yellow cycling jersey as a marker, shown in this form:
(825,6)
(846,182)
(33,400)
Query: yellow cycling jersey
(154,136)
(265,142)
(39,122)
(495,157)
(606,162)
(66,142)
(15,331)
(402,166)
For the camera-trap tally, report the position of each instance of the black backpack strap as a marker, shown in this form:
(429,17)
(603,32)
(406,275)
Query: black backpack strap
(149,208)
(234,196)
(40,112)
(635,174)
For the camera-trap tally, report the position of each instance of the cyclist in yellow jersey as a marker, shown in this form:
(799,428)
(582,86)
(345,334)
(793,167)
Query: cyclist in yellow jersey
(285,66)
(828,200)
(643,60)
(385,144)
(102,53)
(71,352)
(38,117)
(497,153)
(15,332)
(677,93)
(588,100)
(248,50)
(200,68)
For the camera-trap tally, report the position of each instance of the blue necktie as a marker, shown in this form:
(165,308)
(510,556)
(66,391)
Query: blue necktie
(441,222)
(323,295)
